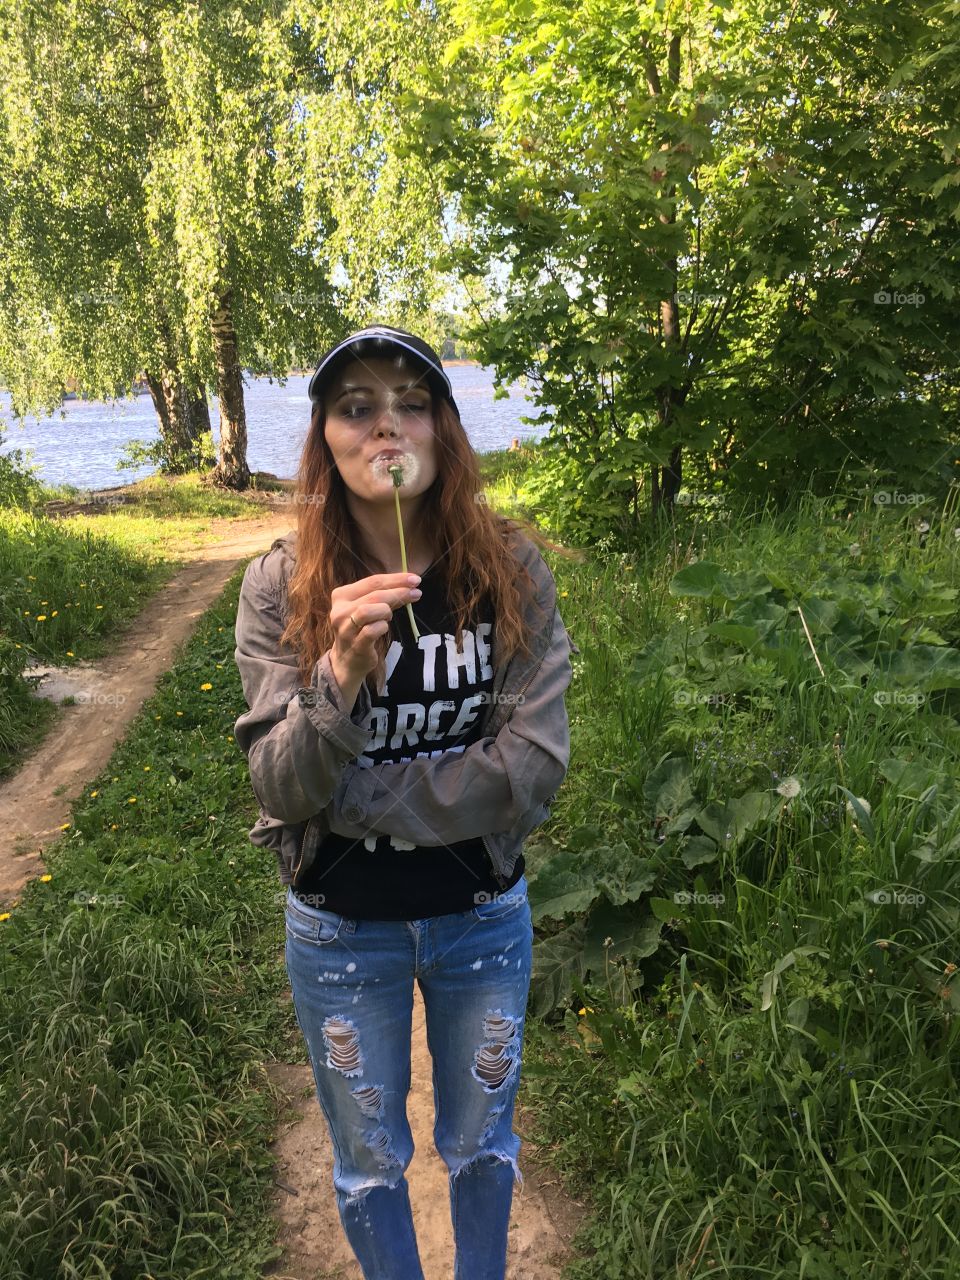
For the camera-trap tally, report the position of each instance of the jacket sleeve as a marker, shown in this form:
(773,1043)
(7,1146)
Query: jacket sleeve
(486,787)
(296,739)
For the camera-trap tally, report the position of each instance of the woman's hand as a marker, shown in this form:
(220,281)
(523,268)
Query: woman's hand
(371,602)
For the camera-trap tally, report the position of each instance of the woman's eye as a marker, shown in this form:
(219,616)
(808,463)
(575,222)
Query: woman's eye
(356,410)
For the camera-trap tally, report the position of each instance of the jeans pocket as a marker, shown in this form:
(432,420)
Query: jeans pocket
(500,905)
(311,924)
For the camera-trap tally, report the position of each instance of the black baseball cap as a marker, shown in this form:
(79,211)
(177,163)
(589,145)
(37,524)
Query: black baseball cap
(381,340)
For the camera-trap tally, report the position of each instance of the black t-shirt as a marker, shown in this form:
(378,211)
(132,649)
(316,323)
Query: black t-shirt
(433,702)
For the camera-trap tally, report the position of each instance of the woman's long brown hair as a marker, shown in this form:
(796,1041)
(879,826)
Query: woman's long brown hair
(474,555)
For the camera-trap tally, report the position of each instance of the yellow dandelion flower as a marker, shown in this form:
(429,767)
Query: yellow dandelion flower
(83,584)
(64,825)
(113,826)
(26,613)
(146,768)
(46,878)
(31,577)
(94,793)
(219,664)
(55,612)
(98,606)
(17,646)
(131,800)
(564,593)
(116,779)
(41,617)
(219,628)
(156,717)
(44,602)
(206,685)
(179,713)
(4,915)
(69,653)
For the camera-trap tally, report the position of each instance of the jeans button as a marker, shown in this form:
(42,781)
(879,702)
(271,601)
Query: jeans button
(353,814)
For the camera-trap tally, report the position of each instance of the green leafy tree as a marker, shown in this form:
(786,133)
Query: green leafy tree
(698,210)
(156,221)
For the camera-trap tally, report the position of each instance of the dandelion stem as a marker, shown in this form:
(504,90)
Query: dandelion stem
(397,475)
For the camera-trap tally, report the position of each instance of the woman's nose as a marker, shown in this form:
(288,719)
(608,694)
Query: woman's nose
(384,418)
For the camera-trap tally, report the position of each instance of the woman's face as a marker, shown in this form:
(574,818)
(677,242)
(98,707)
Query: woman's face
(372,405)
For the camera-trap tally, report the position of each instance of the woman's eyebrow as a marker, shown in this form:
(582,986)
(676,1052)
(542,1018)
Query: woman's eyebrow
(405,386)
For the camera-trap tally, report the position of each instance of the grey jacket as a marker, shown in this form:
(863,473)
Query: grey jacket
(301,742)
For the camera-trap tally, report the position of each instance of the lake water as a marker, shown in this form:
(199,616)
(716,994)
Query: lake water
(82,446)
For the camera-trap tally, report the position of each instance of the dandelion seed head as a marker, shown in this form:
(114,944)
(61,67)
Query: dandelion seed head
(408,463)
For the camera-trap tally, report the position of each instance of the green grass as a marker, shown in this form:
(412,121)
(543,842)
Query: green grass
(140,995)
(69,584)
(765,1088)
(771,1090)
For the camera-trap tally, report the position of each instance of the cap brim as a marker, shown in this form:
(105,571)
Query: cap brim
(327,367)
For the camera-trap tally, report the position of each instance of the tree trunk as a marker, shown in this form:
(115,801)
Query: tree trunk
(199,411)
(159,403)
(665,481)
(231,470)
(180,420)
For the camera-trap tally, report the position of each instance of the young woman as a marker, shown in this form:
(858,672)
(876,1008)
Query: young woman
(397,777)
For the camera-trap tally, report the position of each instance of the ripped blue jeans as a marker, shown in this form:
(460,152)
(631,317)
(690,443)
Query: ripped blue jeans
(352,983)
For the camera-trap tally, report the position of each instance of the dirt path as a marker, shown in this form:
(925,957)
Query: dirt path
(543,1219)
(36,800)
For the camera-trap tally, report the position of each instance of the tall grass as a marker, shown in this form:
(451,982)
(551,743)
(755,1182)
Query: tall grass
(773,1093)
(140,984)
